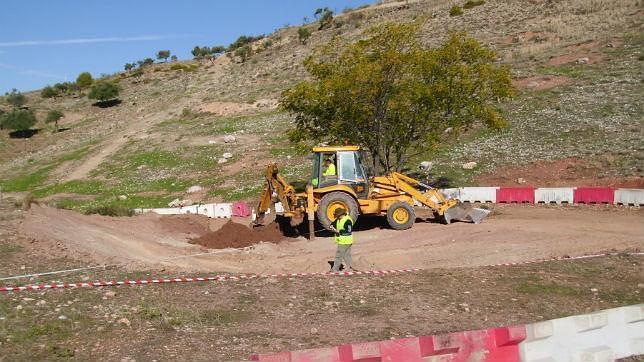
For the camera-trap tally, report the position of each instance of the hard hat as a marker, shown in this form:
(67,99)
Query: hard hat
(339,212)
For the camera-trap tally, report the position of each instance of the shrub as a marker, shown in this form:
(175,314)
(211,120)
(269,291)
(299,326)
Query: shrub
(163,55)
(18,120)
(324,16)
(472,3)
(110,210)
(303,34)
(244,52)
(173,58)
(15,98)
(455,11)
(267,43)
(244,40)
(104,91)
(129,66)
(54,116)
(49,92)
(84,80)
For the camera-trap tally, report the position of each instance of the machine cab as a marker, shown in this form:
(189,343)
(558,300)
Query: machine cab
(341,165)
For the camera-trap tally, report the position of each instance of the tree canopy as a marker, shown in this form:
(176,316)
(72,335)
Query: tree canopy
(15,98)
(104,91)
(18,120)
(84,80)
(395,97)
(54,116)
(163,55)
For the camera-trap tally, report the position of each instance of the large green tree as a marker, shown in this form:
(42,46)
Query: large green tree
(395,97)
(84,80)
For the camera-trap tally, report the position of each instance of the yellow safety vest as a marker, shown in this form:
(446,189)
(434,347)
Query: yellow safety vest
(330,171)
(346,236)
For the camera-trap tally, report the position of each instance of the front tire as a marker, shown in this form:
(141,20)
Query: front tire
(332,201)
(400,216)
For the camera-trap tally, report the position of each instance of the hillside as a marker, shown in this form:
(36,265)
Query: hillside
(576,119)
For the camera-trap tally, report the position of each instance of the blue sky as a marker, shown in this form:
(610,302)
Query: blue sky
(48,41)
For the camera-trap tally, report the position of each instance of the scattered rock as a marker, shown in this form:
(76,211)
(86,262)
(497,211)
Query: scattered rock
(141,167)
(122,197)
(193,189)
(18,307)
(521,180)
(62,317)
(124,321)
(186,202)
(469,165)
(28,299)
(110,294)
(41,302)
(583,60)
(426,165)
(212,142)
(594,290)
(314,330)
(175,203)
(227,155)
(222,160)
(328,304)
(229,138)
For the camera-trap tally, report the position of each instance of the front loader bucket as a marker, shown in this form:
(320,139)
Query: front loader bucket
(460,212)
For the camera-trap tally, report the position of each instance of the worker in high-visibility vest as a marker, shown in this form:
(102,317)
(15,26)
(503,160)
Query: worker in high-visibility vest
(343,229)
(330,168)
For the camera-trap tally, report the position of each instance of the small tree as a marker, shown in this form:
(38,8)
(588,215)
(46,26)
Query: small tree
(217,50)
(49,92)
(148,61)
(129,66)
(84,80)
(163,55)
(173,58)
(196,52)
(15,98)
(244,52)
(303,34)
(54,116)
(104,91)
(19,120)
(324,16)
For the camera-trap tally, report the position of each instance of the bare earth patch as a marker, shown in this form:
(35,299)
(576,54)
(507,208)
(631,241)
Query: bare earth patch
(234,108)
(539,82)
(562,173)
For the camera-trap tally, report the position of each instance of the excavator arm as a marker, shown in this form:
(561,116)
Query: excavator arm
(278,186)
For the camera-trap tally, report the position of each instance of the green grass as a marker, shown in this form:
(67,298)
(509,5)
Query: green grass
(81,187)
(7,248)
(239,193)
(26,182)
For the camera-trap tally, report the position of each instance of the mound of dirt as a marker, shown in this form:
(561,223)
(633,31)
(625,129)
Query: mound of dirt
(234,235)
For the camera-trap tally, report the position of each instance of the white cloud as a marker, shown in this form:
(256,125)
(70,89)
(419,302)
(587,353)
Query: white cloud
(81,41)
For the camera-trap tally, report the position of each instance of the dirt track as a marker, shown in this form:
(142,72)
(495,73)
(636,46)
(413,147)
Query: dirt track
(513,233)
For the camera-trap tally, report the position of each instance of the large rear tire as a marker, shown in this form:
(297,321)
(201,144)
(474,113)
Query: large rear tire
(400,216)
(332,201)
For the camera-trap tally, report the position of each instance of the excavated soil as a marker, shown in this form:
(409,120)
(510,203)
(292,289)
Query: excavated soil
(234,235)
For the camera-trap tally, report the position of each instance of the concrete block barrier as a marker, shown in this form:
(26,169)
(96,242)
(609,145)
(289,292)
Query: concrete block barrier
(193,209)
(603,336)
(223,210)
(634,197)
(557,195)
(241,209)
(452,193)
(497,344)
(515,195)
(594,195)
(478,194)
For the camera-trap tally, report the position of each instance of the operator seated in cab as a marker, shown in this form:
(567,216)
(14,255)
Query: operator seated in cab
(329,170)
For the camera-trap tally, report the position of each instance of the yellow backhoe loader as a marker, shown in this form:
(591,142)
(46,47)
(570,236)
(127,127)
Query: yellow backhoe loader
(339,180)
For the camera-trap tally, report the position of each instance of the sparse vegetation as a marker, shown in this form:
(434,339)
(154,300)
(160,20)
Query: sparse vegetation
(244,52)
(325,17)
(455,11)
(303,34)
(473,3)
(15,98)
(49,92)
(19,120)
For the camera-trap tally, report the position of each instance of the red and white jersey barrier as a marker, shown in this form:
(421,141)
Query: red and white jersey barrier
(547,195)
(216,278)
(602,336)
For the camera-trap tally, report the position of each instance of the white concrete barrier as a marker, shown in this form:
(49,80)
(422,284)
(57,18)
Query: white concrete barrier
(193,210)
(478,194)
(629,197)
(452,193)
(223,211)
(554,194)
(603,336)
